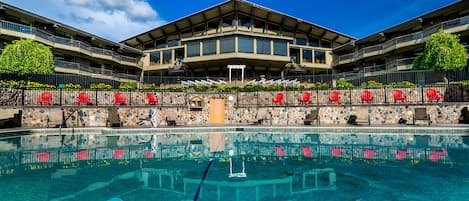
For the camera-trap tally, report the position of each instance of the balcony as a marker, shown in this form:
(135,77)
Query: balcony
(77,68)
(451,26)
(18,30)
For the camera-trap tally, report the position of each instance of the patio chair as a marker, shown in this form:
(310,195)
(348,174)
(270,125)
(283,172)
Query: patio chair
(113,117)
(305,98)
(334,97)
(278,99)
(261,115)
(119,99)
(421,115)
(172,119)
(361,116)
(367,97)
(279,150)
(312,116)
(336,152)
(399,95)
(307,151)
(152,100)
(432,95)
(55,118)
(83,98)
(45,98)
(369,153)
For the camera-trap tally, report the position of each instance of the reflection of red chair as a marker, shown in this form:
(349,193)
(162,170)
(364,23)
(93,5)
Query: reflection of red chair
(334,97)
(278,99)
(401,154)
(336,152)
(398,95)
(83,98)
(43,156)
(149,154)
(118,153)
(432,95)
(307,152)
(435,155)
(367,97)
(305,98)
(82,155)
(369,153)
(45,97)
(119,99)
(279,150)
(152,100)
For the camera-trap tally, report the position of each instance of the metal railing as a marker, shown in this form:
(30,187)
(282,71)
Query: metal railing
(392,43)
(65,41)
(89,69)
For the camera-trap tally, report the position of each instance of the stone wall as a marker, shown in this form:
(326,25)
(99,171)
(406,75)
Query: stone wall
(180,106)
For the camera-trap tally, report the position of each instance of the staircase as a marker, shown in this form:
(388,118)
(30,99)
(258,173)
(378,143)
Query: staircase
(10,118)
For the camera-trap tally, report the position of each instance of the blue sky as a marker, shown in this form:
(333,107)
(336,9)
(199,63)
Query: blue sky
(119,19)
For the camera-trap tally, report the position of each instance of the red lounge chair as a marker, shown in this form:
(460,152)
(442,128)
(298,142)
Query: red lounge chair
(367,97)
(369,153)
(83,98)
(152,100)
(82,155)
(149,154)
(45,98)
(118,153)
(305,98)
(436,155)
(432,95)
(307,152)
(398,95)
(43,156)
(401,154)
(334,97)
(279,150)
(119,99)
(336,152)
(278,99)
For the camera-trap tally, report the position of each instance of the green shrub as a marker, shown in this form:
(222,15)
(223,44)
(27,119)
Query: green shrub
(371,84)
(101,86)
(11,84)
(37,85)
(71,86)
(403,84)
(320,85)
(128,85)
(343,84)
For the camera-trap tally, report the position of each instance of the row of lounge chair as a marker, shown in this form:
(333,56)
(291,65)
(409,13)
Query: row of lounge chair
(83,98)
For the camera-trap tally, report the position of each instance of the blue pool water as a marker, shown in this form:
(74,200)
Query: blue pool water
(330,164)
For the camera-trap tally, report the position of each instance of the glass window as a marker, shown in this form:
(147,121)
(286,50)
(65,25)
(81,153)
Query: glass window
(263,46)
(325,44)
(227,45)
(173,43)
(210,47)
(167,57)
(245,44)
(280,47)
(319,57)
(161,44)
(148,46)
(212,25)
(300,41)
(199,28)
(155,57)
(228,21)
(244,21)
(314,42)
(193,49)
(308,56)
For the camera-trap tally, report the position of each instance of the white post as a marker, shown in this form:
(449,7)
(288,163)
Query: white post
(229,74)
(242,75)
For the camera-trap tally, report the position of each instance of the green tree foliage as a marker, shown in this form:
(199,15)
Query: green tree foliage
(442,52)
(26,56)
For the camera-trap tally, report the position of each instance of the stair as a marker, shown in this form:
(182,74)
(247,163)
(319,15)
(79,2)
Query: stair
(7,146)
(10,118)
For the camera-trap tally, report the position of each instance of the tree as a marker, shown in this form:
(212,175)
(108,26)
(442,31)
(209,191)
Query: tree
(26,56)
(442,52)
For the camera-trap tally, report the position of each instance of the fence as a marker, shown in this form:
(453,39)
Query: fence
(354,96)
(56,79)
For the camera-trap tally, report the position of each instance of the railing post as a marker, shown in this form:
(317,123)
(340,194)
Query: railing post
(22,96)
(350,95)
(385,95)
(317,96)
(96,95)
(60,96)
(421,89)
(130,99)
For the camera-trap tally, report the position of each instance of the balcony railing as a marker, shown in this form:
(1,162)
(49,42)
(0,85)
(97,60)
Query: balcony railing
(89,69)
(65,41)
(392,43)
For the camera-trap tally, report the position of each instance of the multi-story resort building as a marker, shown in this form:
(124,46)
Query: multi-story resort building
(75,51)
(238,33)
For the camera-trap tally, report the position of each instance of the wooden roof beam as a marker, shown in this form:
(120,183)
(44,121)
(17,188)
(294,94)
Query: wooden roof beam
(335,38)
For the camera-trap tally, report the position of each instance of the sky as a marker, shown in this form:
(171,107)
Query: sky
(117,20)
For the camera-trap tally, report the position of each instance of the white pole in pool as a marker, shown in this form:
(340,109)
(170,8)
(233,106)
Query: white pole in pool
(231,153)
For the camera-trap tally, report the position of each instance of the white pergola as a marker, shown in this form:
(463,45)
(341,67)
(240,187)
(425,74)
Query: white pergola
(242,67)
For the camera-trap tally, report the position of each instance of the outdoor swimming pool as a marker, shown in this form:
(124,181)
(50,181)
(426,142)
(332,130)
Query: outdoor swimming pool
(280,164)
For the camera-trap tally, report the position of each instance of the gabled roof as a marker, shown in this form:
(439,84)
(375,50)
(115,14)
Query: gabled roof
(245,7)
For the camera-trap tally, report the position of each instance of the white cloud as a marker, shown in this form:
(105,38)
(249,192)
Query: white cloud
(115,20)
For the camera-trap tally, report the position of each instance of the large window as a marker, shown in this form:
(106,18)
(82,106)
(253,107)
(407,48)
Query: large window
(300,41)
(325,44)
(280,47)
(308,56)
(245,44)
(263,46)
(173,43)
(193,49)
(319,57)
(155,58)
(227,45)
(161,43)
(314,42)
(167,57)
(210,47)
